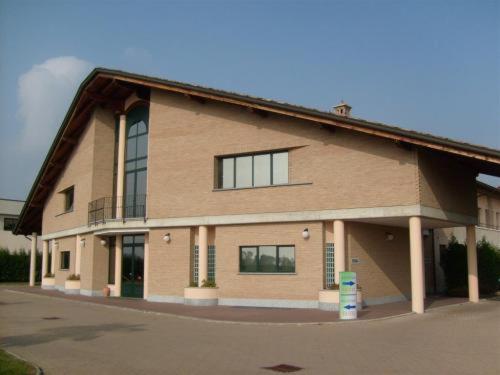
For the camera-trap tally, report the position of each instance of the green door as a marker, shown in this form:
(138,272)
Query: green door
(133,266)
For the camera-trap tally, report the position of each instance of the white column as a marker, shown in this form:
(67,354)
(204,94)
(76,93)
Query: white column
(472,263)
(339,248)
(202,254)
(120,175)
(53,258)
(45,258)
(146,265)
(118,266)
(417,265)
(33,259)
(78,257)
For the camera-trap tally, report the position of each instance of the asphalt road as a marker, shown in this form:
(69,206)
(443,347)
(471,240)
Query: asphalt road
(95,339)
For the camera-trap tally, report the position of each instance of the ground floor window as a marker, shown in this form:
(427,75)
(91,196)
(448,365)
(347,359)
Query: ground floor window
(112,261)
(267,259)
(329,265)
(211,263)
(65,257)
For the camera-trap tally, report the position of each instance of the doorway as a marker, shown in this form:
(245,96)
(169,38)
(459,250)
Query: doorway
(133,266)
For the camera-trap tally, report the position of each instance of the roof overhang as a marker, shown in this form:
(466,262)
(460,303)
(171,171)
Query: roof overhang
(110,88)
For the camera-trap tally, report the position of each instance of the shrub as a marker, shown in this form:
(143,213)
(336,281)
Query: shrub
(193,284)
(454,263)
(73,277)
(208,284)
(333,287)
(15,267)
(49,275)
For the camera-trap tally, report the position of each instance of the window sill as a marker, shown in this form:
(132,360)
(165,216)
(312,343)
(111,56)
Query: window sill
(64,213)
(63,269)
(260,187)
(267,273)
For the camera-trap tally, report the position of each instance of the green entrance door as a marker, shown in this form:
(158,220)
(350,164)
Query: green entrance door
(133,266)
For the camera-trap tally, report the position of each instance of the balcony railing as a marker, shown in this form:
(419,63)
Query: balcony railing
(106,208)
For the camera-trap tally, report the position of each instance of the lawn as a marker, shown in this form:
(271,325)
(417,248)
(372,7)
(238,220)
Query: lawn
(10,365)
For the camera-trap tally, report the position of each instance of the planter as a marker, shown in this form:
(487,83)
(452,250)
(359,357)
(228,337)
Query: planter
(72,287)
(201,296)
(48,282)
(106,291)
(329,300)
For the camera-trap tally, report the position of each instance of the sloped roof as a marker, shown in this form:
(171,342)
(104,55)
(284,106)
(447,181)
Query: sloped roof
(110,88)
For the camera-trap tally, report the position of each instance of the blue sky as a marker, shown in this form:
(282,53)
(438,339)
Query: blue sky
(432,66)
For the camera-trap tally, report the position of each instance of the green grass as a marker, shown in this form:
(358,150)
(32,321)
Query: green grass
(10,365)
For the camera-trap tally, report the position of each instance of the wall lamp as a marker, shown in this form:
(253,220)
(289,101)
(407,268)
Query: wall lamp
(389,236)
(56,245)
(103,242)
(305,234)
(167,238)
(82,243)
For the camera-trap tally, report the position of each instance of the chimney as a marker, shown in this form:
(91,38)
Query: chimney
(343,109)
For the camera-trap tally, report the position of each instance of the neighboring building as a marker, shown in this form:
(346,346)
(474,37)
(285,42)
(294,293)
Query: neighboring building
(153,185)
(488,227)
(9,213)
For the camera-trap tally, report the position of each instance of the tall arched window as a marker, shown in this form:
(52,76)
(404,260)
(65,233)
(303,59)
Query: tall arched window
(136,162)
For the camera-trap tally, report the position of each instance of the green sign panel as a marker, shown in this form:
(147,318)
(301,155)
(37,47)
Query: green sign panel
(347,296)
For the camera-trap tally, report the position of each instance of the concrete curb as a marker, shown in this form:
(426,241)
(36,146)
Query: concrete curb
(358,321)
(39,370)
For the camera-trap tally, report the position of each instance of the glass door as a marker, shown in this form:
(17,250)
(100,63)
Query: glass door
(133,266)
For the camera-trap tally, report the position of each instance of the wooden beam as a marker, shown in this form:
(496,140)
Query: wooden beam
(195,98)
(314,118)
(71,141)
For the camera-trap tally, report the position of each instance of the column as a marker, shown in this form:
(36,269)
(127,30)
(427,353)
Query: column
(146,265)
(33,259)
(202,254)
(118,266)
(339,252)
(45,258)
(78,257)
(417,265)
(120,175)
(472,263)
(53,258)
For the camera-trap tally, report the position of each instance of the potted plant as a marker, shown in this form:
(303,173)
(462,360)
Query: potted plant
(48,281)
(72,284)
(329,297)
(204,295)
(106,291)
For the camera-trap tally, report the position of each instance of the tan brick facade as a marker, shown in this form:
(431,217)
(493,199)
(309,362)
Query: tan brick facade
(328,170)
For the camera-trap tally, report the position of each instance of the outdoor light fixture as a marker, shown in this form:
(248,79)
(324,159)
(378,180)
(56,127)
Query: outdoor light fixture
(167,238)
(305,234)
(389,236)
(56,245)
(103,242)
(82,243)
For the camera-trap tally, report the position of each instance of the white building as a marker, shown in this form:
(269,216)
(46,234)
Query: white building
(9,212)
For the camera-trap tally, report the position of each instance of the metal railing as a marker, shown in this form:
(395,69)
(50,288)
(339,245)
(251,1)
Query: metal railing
(488,226)
(106,208)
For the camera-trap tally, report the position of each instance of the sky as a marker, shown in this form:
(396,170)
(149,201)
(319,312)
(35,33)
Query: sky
(431,66)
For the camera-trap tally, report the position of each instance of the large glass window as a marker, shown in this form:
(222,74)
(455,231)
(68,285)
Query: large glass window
(245,171)
(111,260)
(136,162)
(267,259)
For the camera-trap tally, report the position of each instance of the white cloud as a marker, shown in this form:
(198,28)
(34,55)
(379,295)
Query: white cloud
(44,94)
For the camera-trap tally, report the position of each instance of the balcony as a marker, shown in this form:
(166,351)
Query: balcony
(106,208)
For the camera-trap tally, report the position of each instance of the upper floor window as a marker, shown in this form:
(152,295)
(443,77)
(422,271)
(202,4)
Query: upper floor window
(9,223)
(69,197)
(253,170)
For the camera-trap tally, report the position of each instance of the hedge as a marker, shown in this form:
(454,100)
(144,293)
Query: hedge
(454,264)
(15,267)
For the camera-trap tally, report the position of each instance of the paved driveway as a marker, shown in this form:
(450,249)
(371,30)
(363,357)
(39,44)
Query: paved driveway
(96,339)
